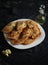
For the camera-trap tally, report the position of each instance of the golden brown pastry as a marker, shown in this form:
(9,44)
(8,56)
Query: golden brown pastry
(30,23)
(21,25)
(36,32)
(28,41)
(14,42)
(22,32)
(27,32)
(13,35)
(9,27)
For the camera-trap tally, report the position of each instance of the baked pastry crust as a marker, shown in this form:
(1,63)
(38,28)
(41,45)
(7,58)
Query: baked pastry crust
(9,27)
(25,32)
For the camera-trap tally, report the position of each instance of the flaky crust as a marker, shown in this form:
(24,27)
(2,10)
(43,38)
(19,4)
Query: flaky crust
(22,32)
(9,27)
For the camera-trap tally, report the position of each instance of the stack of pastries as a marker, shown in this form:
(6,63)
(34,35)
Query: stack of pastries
(22,32)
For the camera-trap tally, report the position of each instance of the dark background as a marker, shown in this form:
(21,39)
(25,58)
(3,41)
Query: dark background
(16,9)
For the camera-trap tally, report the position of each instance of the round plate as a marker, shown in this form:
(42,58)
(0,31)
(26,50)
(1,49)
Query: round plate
(34,43)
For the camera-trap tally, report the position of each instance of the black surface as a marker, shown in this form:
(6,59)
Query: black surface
(12,10)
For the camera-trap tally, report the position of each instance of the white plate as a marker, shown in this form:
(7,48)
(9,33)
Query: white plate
(34,43)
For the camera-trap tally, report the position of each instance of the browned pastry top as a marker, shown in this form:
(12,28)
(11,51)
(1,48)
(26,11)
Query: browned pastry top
(22,32)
